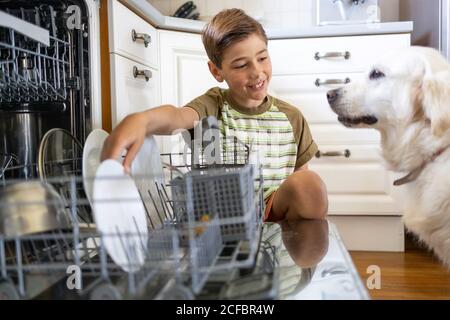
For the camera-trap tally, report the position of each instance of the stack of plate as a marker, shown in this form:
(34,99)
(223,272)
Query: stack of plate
(124,207)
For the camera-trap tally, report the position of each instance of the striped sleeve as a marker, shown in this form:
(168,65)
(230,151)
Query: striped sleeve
(207,104)
(306,147)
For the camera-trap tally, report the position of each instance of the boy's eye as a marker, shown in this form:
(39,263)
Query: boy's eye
(262,58)
(240,66)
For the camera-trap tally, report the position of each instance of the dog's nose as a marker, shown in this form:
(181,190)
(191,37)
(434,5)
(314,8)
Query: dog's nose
(332,95)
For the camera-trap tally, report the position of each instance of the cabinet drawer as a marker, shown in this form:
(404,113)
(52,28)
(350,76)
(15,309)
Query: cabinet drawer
(363,204)
(357,170)
(129,93)
(338,134)
(347,153)
(358,184)
(302,92)
(122,22)
(353,178)
(308,92)
(355,53)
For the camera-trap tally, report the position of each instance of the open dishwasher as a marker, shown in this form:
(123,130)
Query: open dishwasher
(205,227)
(49,75)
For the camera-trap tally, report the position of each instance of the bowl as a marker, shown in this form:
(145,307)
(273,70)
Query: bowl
(31,207)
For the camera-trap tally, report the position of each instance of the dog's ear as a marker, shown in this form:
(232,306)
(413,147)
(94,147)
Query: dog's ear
(436,101)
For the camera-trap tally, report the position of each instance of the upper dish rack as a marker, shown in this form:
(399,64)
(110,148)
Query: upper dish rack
(29,70)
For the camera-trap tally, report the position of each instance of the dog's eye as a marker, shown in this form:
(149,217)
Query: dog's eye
(376,74)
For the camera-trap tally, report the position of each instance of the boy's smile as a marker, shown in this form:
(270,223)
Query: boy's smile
(247,70)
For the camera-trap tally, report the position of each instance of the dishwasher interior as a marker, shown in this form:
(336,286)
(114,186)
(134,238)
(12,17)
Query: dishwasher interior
(44,89)
(204,244)
(42,86)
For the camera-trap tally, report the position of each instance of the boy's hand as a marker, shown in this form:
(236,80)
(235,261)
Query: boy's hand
(131,132)
(128,135)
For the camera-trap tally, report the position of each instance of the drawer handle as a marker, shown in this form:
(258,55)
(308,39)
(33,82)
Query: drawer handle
(346,153)
(141,36)
(146,73)
(345,55)
(319,82)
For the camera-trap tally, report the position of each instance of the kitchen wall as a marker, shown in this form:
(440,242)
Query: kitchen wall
(425,15)
(271,13)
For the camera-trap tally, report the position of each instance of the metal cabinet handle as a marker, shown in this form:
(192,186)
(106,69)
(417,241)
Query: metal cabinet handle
(319,82)
(141,36)
(345,55)
(346,153)
(146,73)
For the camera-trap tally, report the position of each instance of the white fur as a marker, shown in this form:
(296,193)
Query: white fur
(412,105)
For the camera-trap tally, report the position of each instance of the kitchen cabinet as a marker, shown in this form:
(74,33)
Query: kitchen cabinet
(362,201)
(134,64)
(131,36)
(135,87)
(184,74)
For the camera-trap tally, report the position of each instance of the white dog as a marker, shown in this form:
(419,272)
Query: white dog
(406,96)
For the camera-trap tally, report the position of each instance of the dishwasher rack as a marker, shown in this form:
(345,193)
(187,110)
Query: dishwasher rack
(31,71)
(183,248)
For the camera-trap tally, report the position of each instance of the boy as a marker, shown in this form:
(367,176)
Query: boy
(236,45)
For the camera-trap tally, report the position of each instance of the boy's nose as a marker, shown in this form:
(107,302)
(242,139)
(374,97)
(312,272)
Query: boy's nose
(255,75)
(256,71)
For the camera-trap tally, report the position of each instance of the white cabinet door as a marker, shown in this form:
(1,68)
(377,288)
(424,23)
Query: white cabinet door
(184,74)
(184,68)
(129,93)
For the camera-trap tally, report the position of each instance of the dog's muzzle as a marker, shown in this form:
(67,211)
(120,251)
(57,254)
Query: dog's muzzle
(334,96)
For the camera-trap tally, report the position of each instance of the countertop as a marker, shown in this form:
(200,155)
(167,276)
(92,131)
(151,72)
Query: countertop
(153,16)
(313,263)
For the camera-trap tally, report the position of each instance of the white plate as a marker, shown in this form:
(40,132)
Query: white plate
(91,158)
(148,174)
(120,216)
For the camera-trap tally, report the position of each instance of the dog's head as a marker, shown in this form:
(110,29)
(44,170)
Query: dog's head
(406,86)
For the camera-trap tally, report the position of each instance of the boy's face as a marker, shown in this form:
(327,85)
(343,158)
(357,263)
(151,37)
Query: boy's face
(247,70)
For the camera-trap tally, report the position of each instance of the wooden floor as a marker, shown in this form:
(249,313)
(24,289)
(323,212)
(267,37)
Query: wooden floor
(413,274)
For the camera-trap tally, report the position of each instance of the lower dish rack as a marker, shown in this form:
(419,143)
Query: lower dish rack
(205,220)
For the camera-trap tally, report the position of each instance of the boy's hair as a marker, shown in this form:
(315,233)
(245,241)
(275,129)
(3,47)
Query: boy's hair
(226,28)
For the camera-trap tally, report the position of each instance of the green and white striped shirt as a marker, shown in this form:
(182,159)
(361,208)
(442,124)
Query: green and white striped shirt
(275,130)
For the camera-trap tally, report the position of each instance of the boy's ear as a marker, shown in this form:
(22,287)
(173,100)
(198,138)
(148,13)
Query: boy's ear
(215,71)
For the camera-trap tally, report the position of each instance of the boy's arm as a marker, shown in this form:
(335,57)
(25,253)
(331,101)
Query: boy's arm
(131,131)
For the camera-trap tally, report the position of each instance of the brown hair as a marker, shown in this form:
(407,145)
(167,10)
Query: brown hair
(226,28)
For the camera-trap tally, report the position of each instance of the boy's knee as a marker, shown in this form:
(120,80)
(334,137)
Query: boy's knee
(307,188)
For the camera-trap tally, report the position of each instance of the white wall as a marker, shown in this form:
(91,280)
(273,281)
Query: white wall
(389,10)
(271,13)
(425,15)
